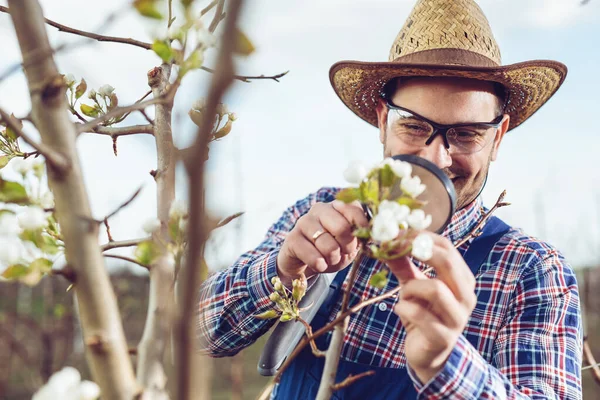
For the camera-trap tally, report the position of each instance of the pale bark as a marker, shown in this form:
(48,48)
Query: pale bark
(151,350)
(103,333)
(332,360)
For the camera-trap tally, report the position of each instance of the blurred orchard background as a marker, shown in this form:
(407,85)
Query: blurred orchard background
(292,137)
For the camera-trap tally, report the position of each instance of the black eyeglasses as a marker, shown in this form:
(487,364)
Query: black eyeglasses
(416,130)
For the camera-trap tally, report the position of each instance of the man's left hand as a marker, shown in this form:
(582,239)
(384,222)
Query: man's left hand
(435,311)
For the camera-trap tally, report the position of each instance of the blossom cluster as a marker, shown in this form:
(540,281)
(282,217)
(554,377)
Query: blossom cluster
(396,219)
(66,384)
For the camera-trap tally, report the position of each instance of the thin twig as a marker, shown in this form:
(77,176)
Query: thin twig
(351,379)
(122,130)
(313,345)
(122,243)
(208,7)
(353,271)
(126,203)
(248,79)
(90,35)
(475,231)
(105,221)
(166,97)
(148,93)
(589,357)
(56,159)
(124,258)
(218,16)
(227,220)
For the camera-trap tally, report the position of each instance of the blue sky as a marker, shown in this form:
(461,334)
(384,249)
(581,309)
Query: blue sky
(295,136)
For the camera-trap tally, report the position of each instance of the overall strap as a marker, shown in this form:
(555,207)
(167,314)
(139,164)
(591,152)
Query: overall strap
(482,245)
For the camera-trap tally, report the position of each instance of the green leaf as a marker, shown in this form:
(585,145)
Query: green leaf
(90,111)
(13,192)
(15,271)
(163,49)
(45,243)
(410,202)
(270,314)
(41,264)
(147,8)
(362,233)
(387,176)
(243,45)
(146,252)
(194,61)
(10,134)
(348,195)
(80,89)
(379,280)
(4,160)
(369,192)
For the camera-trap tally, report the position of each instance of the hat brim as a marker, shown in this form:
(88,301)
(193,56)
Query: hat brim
(528,84)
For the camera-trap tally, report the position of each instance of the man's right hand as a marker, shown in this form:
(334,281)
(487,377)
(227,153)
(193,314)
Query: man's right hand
(307,250)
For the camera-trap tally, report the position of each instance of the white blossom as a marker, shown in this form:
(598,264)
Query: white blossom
(106,90)
(178,209)
(422,247)
(412,186)
(400,168)
(34,217)
(21,166)
(69,79)
(151,225)
(400,212)
(419,220)
(206,38)
(11,250)
(385,227)
(92,94)
(30,252)
(356,172)
(47,200)
(66,384)
(233,116)
(9,225)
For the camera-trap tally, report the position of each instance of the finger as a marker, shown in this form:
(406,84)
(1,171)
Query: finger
(415,315)
(438,298)
(325,243)
(305,251)
(404,269)
(452,269)
(353,212)
(339,227)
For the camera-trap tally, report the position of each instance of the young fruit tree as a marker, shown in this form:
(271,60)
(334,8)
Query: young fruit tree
(45,210)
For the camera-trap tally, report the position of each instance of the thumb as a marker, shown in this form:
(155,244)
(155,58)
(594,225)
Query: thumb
(404,269)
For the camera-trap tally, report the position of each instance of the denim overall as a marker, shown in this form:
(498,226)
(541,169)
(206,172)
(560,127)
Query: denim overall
(301,380)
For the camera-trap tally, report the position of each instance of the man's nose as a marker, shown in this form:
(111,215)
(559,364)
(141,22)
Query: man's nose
(437,153)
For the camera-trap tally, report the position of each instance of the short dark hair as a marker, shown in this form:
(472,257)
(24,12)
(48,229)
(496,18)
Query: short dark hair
(389,89)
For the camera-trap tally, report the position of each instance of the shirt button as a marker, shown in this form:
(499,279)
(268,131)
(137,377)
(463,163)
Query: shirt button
(382,307)
(244,332)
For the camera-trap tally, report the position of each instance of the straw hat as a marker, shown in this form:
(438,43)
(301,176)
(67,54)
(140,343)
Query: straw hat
(450,38)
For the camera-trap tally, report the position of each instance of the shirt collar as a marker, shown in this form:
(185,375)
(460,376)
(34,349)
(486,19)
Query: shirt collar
(464,220)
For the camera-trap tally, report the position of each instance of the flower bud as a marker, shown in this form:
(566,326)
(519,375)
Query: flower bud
(106,90)
(274,280)
(270,314)
(279,287)
(285,317)
(299,288)
(275,297)
(69,79)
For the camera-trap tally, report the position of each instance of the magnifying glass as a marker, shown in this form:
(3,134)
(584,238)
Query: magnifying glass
(440,202)
(439,196)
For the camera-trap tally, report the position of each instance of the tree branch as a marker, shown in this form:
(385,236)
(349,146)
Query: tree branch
(128,259)
(59,162)
(90,35)
(121,130)
(247,79)
(151,374)
(122,243)
(107,355)
(218,16)
(476,229)
(351,379)
(198,229)
(589,357)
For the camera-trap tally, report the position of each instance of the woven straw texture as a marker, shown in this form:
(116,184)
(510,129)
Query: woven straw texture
(448,38)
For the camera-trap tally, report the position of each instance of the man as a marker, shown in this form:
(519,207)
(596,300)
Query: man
(507,327)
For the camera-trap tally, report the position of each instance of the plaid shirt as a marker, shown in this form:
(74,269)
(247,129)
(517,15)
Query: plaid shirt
(523,339)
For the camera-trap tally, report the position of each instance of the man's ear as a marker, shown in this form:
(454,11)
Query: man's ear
(500,135)
(382,112)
